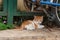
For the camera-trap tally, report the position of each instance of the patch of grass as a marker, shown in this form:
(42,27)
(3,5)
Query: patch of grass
(4,26)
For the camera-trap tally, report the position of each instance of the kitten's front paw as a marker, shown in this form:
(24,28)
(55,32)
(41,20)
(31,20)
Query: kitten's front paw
(41,26)
(30,29)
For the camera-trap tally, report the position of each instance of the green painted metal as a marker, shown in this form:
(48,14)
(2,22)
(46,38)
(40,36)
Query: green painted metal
(4,12)
(10,11)
(5,5)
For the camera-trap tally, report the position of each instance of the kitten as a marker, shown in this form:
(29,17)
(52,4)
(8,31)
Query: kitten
(32,24)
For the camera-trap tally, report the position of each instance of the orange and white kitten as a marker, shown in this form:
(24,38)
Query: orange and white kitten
(33,24)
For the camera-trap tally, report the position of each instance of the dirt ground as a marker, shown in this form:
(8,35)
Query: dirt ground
(41,34)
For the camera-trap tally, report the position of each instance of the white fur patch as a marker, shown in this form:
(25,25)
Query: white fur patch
(30,27)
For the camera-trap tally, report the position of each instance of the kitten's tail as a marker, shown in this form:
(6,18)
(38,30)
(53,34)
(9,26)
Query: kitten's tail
(18,27)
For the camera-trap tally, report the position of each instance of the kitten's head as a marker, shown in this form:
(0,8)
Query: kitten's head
(38,19)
